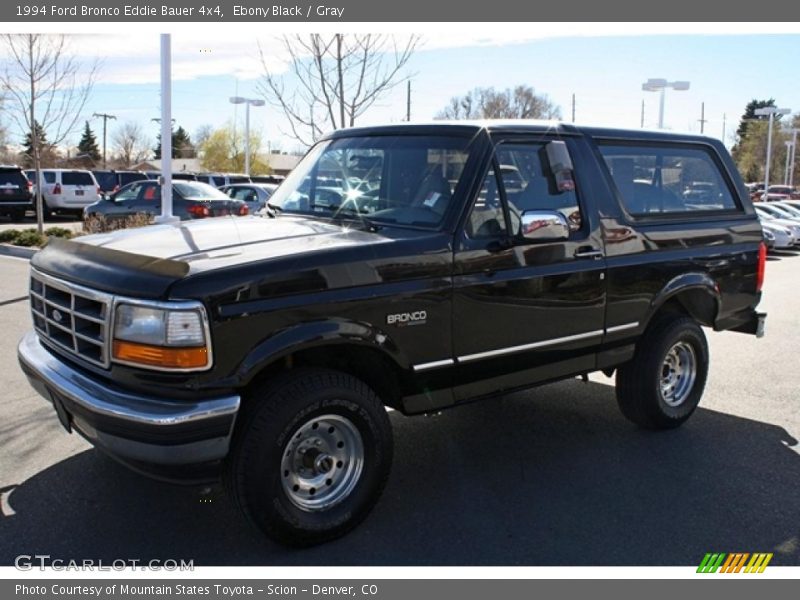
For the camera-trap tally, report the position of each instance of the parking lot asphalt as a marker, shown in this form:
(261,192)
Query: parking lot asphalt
(552,476)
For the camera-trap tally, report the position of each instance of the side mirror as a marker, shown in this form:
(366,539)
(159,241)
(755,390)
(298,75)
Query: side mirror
(544,226)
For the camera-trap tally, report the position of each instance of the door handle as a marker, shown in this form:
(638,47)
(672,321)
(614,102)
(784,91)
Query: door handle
(588,252)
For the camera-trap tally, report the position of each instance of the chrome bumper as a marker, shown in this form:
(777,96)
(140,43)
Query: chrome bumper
(132,427)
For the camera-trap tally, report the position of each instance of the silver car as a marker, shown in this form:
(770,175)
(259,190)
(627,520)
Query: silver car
(784,239)
(773,216)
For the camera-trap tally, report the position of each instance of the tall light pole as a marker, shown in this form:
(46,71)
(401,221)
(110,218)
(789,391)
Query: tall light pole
(249,102)
(166,132)
(763,112)
(789,148)
(794,158)
(661,85)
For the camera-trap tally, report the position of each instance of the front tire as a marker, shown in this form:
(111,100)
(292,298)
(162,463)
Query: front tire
(311,456)
(662,386)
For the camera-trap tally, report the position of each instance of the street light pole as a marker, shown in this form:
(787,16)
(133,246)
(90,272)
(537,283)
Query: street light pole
(166,131)
(661,85)
(771,111)
(248,102)
(788,158)
(794,156)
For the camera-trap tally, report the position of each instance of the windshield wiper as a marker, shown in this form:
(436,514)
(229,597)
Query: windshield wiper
(340,214)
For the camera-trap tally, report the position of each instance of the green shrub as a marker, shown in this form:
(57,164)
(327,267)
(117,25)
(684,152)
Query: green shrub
(30,237)
(9,236)
(59,232)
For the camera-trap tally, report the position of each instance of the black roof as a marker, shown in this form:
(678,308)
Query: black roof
(471,128)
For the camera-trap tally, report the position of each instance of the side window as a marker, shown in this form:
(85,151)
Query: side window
(487,219)
(655,180)
(129,193)
(150,192)
(530,185)
(49,177)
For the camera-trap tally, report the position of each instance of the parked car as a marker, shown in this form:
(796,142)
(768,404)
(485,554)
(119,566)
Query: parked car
(276,179)
(16,192)
(220,180)
(66,191)
(255,194)
(788,207)
(190,200)
(267,353)
(783,238)
(768,213)
(782,192)
(109,181)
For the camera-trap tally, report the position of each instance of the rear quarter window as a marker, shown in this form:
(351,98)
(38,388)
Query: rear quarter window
(661,180)
(76,178)
(12,179)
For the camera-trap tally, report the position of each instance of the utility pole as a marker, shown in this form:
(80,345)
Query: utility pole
(573,107)
(724,119)
(105,118)
(702,119)
(642,124)
(408,101)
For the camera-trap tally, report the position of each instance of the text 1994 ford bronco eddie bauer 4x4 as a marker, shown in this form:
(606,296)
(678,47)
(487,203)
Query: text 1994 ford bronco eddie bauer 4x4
(413,266)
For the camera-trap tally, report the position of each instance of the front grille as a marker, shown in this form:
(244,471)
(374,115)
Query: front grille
(72,317)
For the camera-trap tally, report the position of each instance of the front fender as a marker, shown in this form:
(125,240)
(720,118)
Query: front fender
(303,336)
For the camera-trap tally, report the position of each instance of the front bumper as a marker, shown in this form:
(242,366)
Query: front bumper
(139,430)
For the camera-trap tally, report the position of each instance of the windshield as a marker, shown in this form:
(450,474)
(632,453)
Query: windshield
(198,191)
(403,180)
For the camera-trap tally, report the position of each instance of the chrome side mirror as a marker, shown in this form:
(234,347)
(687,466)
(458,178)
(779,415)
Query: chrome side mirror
(544,226)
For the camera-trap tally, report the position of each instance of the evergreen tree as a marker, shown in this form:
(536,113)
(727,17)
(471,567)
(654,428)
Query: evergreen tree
(750,115)
(27,144)
(88,144)
(182,146)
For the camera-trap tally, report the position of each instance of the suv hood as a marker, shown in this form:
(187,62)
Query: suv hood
(146,261)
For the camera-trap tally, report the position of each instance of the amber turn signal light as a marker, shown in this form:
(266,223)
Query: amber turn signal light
(159,356)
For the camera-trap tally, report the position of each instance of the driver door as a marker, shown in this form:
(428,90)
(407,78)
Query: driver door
(526,311)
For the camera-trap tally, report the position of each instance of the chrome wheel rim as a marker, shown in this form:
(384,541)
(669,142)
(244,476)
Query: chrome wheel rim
(322,462)
(678,374)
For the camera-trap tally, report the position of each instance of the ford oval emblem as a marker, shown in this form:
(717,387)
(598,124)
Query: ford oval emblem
(57,316)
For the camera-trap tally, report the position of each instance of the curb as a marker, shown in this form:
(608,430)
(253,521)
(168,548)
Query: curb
(17,251)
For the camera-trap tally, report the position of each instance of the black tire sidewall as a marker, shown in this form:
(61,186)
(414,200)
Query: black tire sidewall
(258,473)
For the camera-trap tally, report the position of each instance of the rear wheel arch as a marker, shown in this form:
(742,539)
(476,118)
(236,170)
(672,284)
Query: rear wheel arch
(693,294)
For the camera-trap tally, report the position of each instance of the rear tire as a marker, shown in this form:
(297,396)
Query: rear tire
(310,457)
(662,386)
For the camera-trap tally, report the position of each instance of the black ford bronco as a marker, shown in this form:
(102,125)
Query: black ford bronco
(416,267)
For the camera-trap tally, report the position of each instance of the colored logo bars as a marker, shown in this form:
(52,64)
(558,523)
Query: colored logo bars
(734,563)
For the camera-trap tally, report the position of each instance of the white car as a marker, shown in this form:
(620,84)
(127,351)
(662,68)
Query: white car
(784,239)
(768,214)
(67,190)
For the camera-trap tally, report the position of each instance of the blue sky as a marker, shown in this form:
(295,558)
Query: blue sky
(605,73)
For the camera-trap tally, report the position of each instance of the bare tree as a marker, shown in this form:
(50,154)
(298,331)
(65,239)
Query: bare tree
(333,80)
(46,85)
(202,134)
(522,102)
(131,144)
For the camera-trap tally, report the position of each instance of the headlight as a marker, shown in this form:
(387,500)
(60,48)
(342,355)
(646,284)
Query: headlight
(161,337)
